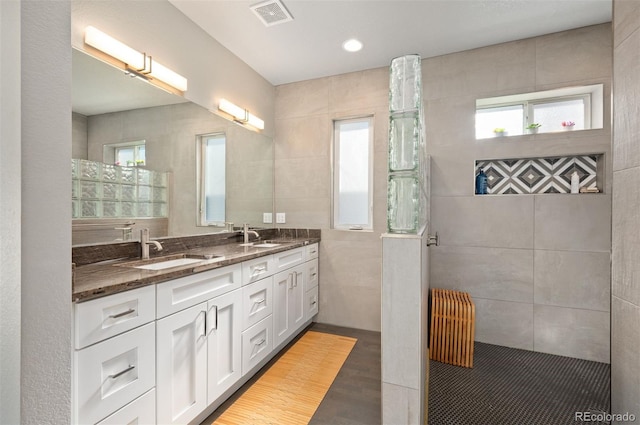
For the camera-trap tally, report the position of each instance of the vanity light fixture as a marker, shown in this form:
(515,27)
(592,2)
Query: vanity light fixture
(240,115)
(352,45)
(133,62)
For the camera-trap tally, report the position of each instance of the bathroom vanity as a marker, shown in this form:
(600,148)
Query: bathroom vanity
(167,340)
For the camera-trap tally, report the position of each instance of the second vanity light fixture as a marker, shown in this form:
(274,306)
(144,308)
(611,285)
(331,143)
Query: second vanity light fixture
(240,115)
(133,62)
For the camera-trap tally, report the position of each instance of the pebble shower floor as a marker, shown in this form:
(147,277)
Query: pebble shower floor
(508,386)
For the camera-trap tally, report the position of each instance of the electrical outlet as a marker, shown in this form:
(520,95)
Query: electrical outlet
(281,218)
(267,218)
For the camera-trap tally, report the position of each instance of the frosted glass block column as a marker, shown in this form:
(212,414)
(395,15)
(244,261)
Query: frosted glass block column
(405,83)
(407,185)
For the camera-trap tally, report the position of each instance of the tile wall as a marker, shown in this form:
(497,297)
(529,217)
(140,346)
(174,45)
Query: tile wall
(625,289)
(536,264)
(350,261)
(520,257)
(539,175)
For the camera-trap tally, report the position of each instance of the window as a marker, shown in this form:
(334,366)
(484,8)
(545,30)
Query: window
(353,174)
(510,118)
(212,179)
(127,154)
(583,106)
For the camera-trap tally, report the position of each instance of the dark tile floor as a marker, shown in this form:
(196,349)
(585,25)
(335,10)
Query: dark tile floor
(354,396)
(506,386)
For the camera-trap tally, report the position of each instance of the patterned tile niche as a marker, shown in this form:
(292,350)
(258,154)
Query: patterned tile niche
(538,175)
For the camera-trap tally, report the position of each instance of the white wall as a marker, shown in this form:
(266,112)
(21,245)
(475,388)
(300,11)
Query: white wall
(10,212)
(625,288)
(46,212)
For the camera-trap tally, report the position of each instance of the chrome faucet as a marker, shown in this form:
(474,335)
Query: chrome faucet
(246,231)
(145,242)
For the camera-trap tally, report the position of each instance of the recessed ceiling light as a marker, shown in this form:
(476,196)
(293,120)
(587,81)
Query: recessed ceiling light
(352,45)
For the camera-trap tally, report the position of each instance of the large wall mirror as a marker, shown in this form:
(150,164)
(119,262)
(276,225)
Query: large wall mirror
(112,110)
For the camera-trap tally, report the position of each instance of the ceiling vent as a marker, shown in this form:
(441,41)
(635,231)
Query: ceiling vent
(272,12)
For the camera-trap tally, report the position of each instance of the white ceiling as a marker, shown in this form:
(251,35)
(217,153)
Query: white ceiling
(310,45)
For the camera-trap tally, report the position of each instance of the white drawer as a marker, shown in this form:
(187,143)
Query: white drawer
(184,292)
(105,317)
(141,411)
(310,274)
(311,303)
(257,343)
(312,251)
(287,259)
(112,373)
(258,268)
(257,302)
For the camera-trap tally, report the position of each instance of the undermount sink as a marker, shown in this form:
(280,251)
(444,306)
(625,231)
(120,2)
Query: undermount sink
(261,244)
(161,265)
(177,260)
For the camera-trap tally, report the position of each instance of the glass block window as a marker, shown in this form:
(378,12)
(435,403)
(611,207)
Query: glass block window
(104,190)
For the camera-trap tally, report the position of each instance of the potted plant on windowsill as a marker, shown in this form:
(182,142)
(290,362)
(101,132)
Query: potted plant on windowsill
(533,127)
(568,125)
(499,132)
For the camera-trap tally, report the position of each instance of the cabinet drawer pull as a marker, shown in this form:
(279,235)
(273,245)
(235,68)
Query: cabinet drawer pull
(215,317)
(314,274)
(124,313)
(259,269)
(260,301)
(259,343)
(119,374)
(314,303)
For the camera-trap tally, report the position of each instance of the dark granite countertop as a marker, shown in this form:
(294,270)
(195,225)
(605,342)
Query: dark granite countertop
(107,277)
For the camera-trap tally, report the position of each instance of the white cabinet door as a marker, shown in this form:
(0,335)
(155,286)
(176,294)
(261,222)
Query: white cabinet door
(296,299)
(288,303)
(141,411)
(282,283)
(112,373)
(182,365)
(102,318)
(310,303)
(312,251)
(257,344)
(287,259)
(310,274)
(257,302)
(177,294)
(224,330)
(258,268)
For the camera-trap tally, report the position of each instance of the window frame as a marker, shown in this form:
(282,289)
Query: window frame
(592,96)
(201,168)
(110,152)
(335,175)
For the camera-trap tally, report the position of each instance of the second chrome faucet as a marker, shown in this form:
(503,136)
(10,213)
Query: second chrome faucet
(145,242)
(246,231)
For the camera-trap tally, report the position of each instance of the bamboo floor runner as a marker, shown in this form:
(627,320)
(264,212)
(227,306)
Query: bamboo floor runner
(291,390)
